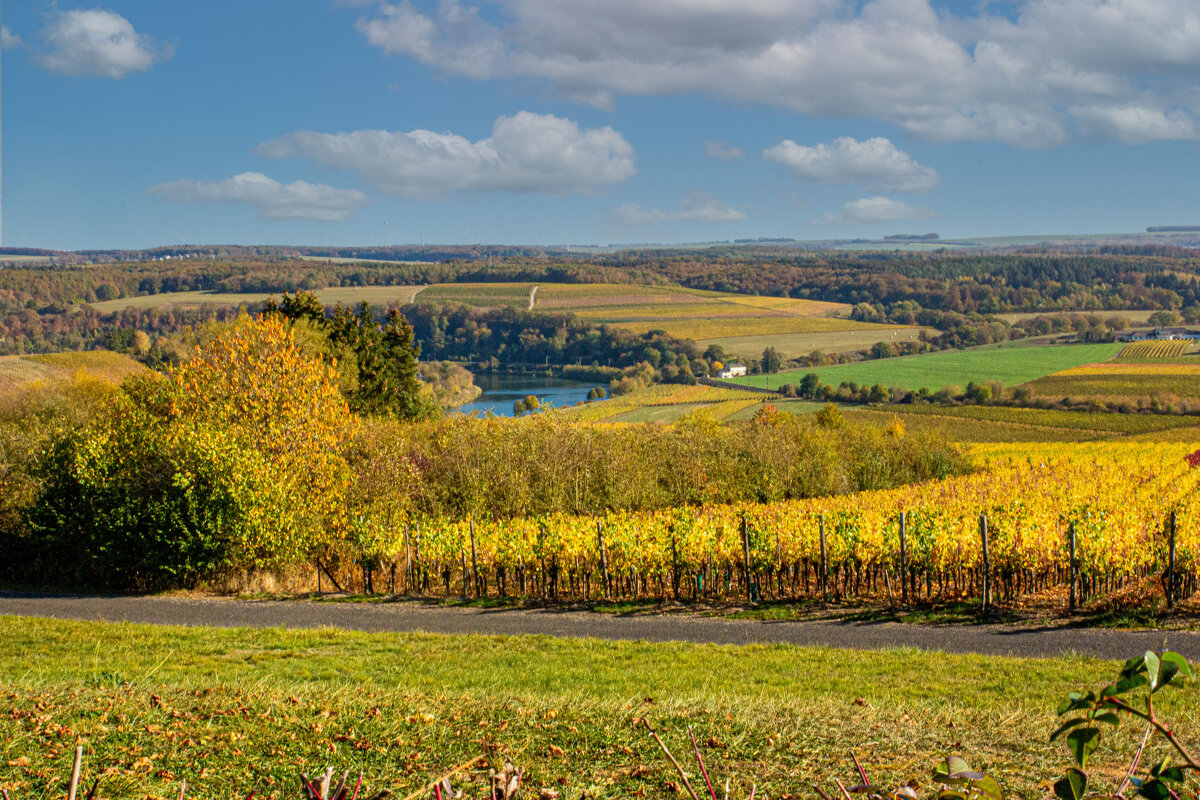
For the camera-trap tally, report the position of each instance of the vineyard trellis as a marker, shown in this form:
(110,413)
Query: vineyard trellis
(1092,518)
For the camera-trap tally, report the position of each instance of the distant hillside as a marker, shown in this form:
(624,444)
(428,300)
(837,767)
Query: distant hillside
(17,371)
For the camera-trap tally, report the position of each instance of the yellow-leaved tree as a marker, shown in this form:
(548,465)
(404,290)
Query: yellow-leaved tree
(230,460)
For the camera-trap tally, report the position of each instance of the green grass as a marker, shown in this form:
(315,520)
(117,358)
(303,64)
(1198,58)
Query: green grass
(951,368)
(235,710)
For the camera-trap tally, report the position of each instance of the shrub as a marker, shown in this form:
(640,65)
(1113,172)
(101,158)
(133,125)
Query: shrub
(230,460)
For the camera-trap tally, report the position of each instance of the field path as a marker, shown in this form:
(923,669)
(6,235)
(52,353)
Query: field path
(413,616)
(532,297)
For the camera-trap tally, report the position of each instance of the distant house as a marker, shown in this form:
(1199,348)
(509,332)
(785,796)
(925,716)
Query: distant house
(732,371)
(1158,334)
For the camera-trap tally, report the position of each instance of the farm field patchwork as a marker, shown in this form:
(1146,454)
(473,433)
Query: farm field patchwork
(794,345)
(970,430)
(236,710)
(1120,382)
(1124,424)
(934,371)
(1156,350)
(669,402)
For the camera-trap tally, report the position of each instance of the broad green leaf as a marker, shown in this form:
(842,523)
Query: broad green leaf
(1152,669)
(1155,790)
(1083,742)
(1108,716)
(1133,666)
(1071,786)
(1124,685)
(1066,726)
(1184,667)
(990,787)
(1166,673)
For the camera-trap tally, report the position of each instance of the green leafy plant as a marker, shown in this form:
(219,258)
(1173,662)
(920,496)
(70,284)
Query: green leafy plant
(1131,695)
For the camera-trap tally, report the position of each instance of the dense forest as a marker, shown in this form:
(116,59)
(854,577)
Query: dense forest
(47,308)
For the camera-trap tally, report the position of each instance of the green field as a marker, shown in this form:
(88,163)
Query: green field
(231,711)
(950,368)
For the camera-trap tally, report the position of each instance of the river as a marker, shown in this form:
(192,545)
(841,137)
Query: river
(502,389)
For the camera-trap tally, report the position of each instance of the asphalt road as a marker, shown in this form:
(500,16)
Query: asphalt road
(411,616)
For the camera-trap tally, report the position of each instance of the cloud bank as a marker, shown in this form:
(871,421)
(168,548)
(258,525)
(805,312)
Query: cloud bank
(1033,79)
(525,153)
(272,199)
(97,43)
(697,207)
(874,163)
(873,211)
(8,39)
(723,152)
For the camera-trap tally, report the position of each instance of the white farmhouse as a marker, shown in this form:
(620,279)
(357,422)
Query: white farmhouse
(732,371)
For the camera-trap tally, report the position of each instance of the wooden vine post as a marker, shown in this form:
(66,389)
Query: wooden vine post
(824,563)
(1170,587)
(903,558)
(1072,568)
(603,559)
(746,558)
(474,560)
(408,568)
(987,564)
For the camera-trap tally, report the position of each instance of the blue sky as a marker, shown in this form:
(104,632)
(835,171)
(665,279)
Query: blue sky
(137,122)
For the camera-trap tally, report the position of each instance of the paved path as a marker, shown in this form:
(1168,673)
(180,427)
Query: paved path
(408,616)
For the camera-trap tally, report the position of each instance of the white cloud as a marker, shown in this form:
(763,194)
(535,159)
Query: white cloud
(1133,124)
(937,74)
(272,199)
(525,153)
(722,151)
(98,43)
(697,207)
(8,39)
(874,210)
(875,163)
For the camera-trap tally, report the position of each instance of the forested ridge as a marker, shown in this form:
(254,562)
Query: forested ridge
(49,307)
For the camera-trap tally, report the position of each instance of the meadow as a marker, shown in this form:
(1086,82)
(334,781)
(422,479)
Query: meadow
(18,371)
(234,711)
(934,371)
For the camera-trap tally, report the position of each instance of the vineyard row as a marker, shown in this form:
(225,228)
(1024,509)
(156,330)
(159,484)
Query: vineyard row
(1093,518)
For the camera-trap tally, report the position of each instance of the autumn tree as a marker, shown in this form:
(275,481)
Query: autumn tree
(231,460)
(378,360)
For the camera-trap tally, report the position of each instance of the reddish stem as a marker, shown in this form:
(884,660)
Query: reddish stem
(862,772)
(700,760)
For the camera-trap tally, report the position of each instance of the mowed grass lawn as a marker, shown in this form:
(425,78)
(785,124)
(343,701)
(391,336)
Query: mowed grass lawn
(951,368)
(231,711)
